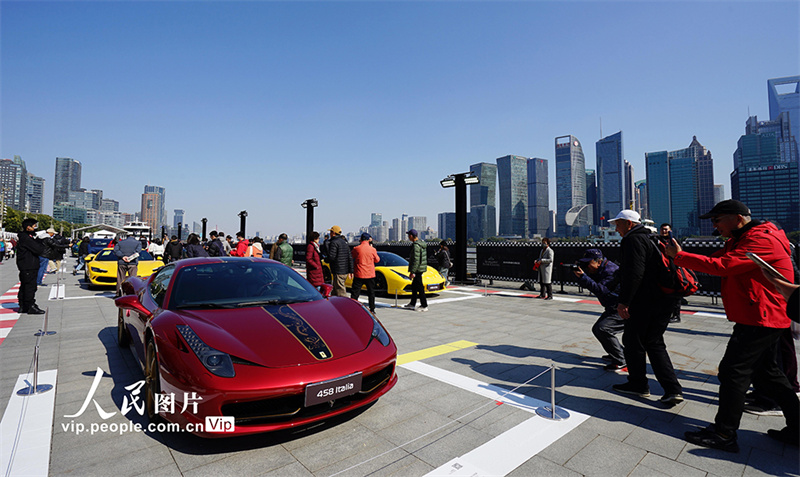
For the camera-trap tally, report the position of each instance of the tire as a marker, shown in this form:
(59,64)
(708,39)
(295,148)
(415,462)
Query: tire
(152,383)
(123,338)
(380,284)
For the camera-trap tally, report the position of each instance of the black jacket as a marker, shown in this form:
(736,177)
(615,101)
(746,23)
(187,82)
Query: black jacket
(173,250)
(195,250)
(83,248)
(28,251)
(339,256)
(640,270)
(54,247)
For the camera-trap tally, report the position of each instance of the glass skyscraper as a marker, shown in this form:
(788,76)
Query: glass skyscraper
(764,177)
(538,198)
(610,177)
(154,209)
(482,221)
(591,195)
(570,180)
(681,187)
(512,175)
(67,178)
(785,99)
(447,225)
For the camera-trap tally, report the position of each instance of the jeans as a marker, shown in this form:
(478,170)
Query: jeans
(750,357)
(43,262)
(606,329)
(81,264)
(355,291)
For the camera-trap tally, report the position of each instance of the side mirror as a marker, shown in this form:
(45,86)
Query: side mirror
(131,302)
(326,290)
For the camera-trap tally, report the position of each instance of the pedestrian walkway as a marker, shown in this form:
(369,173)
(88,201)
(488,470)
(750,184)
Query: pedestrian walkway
(465,398)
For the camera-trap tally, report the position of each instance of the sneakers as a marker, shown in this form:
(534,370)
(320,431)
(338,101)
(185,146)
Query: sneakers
(549,298)
(409,306)
(671,399)
(615,367)
(422,309)
(709,437)
(760,409)
(785,435)
(628,388)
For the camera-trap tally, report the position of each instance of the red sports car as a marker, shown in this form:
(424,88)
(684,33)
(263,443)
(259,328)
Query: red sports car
(247,345)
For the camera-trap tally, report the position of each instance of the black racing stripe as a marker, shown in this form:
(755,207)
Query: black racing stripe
(301,330)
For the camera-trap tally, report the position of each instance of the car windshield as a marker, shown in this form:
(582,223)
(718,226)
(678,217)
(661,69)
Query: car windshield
(99,242)
(110,256)
(239,283)
(389,259)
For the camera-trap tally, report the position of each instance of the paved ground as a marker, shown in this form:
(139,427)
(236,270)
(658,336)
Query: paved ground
(517,338)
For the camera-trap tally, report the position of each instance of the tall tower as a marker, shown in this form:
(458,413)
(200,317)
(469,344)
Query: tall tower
(483,202)
(35,194)
(538,197)
(14,181)
(67,178)
(512,176)
(610,177)
(785,99)
(160,217)
(570,180)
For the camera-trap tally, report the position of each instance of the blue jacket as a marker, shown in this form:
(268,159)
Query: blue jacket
(604,284)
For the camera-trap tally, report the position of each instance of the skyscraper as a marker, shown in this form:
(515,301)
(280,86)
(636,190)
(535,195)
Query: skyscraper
(570,184)
(591,194)
(482,221)
(538,197)
(67,178)
(512,178)
(762,179)
(14,181)
(627,185)
(719,193)
(447,225)
(610,176)
(783,98)
(641,193)
(681,187)
(35,194)
(160,217)
(376,220)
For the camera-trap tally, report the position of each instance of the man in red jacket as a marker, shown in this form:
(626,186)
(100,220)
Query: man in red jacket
(758,312)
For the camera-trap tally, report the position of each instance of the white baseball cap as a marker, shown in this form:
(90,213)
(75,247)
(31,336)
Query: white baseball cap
(627,214)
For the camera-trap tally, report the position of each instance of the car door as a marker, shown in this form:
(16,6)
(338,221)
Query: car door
(151,297)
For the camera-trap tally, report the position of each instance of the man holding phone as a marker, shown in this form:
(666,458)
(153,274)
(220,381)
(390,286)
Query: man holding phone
(758,313)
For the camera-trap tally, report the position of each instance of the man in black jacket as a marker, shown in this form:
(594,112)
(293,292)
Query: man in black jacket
(173,250)
(28,252)
(340,261)
(646,311)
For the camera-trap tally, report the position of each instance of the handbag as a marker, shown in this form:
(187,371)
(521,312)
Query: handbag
(536,266)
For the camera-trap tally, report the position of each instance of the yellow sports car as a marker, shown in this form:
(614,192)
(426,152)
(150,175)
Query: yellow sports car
(391,276)
(101,268)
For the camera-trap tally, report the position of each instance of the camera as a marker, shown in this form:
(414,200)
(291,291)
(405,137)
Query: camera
(572,266)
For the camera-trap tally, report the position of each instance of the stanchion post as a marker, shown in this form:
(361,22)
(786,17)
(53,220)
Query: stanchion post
(552,412)
(45,320)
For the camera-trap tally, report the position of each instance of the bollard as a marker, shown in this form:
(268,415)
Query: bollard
(43,331)
(35,388)
(552,412)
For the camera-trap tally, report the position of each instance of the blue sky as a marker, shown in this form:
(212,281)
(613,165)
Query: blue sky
(367,105)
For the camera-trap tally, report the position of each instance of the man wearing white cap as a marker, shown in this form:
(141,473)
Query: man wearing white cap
(646,311)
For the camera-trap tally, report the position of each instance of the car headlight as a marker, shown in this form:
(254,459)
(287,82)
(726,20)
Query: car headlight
(405,277)
(377,331)
(216,361)
(98,270)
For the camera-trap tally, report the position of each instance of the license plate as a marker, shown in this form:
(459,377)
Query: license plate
(326,391)
(435,287)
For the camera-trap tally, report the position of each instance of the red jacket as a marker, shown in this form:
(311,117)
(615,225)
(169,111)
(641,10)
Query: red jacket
(364,259)
(241,248)
(313,266)
(748,297)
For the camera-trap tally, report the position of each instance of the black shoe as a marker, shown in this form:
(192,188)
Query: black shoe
(785,435)
(709,437)
(628,388)
(35,310)
(549,298)
(672,399)
(675,319)
(615,367)
(22,310)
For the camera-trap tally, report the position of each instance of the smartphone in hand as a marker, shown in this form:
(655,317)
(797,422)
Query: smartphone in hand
(766,267)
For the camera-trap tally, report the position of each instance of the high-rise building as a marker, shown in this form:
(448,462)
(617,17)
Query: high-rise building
(512,181)
(784,97)
(538,197)
(151,211)
(396,232)
(641,194)
(610,177)
(419,223)
(447,225)
(35,194)
(178,217)
(69,213)
(158,217)
(591,194)
(762,179)
(67,178)
(88,199)
(483,223)
(109,205)
(681,187)
(627,185)
(14,181)
(376,220)
(571,187)
(719,193)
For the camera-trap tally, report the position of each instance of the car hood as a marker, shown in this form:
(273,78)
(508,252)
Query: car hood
(285,335)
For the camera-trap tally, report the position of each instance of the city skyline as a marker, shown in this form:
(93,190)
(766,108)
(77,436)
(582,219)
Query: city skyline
(215,102)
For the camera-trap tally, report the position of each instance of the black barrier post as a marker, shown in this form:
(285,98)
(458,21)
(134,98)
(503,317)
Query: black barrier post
(242,222)
(561,276)
(309,205)
(460,182)
(180,230)
(204,221)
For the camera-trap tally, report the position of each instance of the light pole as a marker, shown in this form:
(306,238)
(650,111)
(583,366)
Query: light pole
(242,222)
(309,205)
(204,221)
(460,182)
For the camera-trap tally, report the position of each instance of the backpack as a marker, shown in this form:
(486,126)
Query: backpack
(674,280)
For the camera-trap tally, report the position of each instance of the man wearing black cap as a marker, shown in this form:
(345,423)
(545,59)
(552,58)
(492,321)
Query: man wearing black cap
(758,312)
(28,252)
(601,279)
